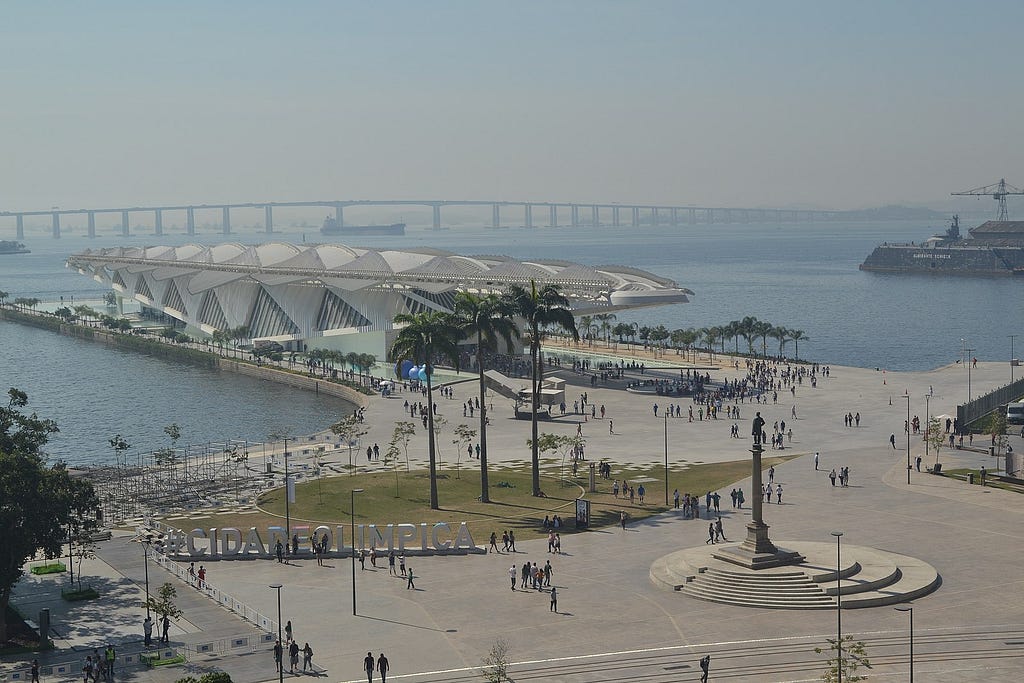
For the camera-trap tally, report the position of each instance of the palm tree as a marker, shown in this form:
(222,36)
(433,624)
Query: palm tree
(424,337)
(781,335)
(605,320)
(3,297)
(488,319)
(763,330)
(585,325)
(748,330)
(796,336)
(540,308)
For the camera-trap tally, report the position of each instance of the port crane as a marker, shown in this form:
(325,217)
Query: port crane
(999,192)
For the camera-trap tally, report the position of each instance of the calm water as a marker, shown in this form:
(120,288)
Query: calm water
(801,276)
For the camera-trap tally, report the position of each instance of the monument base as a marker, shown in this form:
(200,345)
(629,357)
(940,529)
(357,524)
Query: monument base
(757,551)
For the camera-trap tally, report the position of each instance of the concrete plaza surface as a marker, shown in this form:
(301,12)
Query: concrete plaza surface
(613,623)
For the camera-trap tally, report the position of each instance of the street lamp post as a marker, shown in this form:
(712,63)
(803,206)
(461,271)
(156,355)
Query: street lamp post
(927,422)
(666,459)
(352,522)
(287,508)
(969,352)
(907,396)
(839,608)
(280,641)
(910,610)
(145,563)
(1012,337)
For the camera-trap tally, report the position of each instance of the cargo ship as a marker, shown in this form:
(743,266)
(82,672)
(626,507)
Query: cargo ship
(992,248)
(10,247)
(331,227)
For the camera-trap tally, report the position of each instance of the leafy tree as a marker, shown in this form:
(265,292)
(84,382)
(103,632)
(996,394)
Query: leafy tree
(119,446)
(350,429)
(997,428)
(934,436)
(559,442)
(496,663)
(540,308)
(163,603)
(488,320)
(3,297)
(622,330)
(402,435)
(463,437)
(424,337)
(37,502)
(846,657)
(391,458)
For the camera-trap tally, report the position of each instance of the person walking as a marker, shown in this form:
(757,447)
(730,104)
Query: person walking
(512,573)
(832,476)
(401,563)
(622,519)
(293,656)
(383,666)
(547,573)
(778,494)
(410,584)
(35,671)
(711,534)
(391,563)
(165,625)
(554,600)
(511,541)
(494,543)
(277,655)
(307,657)
(611,424)
(815,461)
(720,530)
(705,666)
(368,666)
(892,440)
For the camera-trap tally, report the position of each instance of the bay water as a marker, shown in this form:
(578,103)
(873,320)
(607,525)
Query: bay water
(798,275)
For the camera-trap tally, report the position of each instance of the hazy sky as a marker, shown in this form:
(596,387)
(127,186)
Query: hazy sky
(838,104)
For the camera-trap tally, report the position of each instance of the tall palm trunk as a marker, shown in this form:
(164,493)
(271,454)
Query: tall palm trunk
(535,401)
(484,487)
(434,505)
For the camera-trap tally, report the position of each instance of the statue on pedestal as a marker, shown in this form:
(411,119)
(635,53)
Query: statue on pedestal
(757,429)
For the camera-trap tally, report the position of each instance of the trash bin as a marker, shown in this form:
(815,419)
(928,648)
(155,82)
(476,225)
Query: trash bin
(970,478)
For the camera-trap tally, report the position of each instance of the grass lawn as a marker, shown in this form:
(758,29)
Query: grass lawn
(512,507)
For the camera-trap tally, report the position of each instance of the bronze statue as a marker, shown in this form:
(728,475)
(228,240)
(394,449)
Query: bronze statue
(757,429)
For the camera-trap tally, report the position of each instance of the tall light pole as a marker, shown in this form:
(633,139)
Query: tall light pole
(280,641)
(1012,337)
(145,563)
(907,396)
(927,422)
(910,609)
(969,352)
(839,608)
(352,522)
(287,509)
(666,459)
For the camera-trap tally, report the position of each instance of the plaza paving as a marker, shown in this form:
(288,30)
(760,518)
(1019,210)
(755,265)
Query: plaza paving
(613,622)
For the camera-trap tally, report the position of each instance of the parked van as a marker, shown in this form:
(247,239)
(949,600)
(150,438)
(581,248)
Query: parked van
(1015,413)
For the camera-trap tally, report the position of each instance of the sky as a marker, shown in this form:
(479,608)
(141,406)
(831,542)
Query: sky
(752,104)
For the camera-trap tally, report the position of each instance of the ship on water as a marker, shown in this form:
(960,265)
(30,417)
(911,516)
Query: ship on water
(332,227)
(992,248)
(11,247)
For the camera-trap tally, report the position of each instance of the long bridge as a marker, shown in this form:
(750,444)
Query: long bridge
(559,213)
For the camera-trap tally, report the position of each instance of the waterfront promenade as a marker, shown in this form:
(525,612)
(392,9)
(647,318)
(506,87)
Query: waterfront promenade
(613,623)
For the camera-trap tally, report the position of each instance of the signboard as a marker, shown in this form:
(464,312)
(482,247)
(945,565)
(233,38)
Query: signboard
(582,513)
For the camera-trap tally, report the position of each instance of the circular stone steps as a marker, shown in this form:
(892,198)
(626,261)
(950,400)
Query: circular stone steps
(868,578)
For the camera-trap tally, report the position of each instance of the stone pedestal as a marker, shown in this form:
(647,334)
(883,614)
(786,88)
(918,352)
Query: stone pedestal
(757,551)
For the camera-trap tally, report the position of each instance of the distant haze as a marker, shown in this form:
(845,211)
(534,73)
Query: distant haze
(808,104)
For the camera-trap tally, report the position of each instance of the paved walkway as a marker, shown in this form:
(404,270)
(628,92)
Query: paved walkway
(613,623)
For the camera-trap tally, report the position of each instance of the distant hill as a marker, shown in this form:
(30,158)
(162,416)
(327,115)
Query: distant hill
(894,213)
